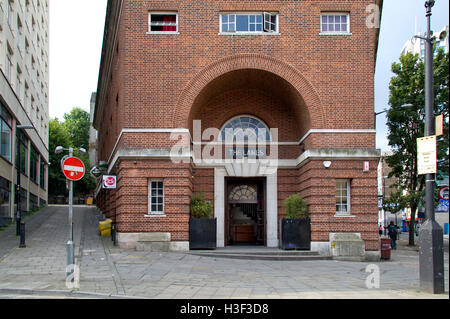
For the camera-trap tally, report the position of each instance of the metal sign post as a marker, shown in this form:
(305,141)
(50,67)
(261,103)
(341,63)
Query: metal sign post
(431,247)
(69,247)
(74,170)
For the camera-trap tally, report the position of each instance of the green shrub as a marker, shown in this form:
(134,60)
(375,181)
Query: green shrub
(200,208)
(296,207)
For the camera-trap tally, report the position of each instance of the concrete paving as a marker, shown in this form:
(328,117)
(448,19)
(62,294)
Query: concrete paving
(106,271)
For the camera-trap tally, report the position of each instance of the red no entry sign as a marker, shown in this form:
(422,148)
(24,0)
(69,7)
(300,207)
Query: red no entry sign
(73,168)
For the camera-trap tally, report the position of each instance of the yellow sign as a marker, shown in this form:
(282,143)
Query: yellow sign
(426,155)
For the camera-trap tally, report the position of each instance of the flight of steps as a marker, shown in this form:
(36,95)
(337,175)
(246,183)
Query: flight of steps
(260,253)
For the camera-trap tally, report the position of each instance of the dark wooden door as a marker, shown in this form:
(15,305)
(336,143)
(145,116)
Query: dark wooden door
(248,194)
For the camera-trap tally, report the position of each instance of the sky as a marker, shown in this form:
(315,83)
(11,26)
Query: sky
(76,36)
(397,27)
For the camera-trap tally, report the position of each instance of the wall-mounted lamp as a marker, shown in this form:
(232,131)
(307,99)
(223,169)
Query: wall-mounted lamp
(327,164)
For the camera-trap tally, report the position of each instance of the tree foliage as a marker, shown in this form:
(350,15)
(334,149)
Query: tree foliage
(73,132)
(296,207)
(77,126)
(57,136)
(406,124)
(200,208)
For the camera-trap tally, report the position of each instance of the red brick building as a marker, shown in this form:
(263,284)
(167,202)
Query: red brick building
(299,74)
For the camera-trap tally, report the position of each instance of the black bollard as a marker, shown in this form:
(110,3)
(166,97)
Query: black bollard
(22,235)
(113,233)
(18,227)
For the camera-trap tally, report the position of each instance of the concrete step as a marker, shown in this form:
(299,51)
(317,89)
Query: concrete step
(261,254)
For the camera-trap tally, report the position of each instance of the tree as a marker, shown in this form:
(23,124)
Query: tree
(77,126)
(73,132)
(57,136)
(407,124)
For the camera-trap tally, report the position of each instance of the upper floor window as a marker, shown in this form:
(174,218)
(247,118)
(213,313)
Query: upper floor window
(163,22)
(249,22)
(335,23)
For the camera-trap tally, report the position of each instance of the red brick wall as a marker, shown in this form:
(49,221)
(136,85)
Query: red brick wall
(159,77)
(295,81)
(132,197)
(318,187)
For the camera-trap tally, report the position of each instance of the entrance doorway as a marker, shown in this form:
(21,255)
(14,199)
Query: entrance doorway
(245,207)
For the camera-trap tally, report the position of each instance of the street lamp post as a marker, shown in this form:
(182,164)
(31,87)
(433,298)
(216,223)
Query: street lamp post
(431,247)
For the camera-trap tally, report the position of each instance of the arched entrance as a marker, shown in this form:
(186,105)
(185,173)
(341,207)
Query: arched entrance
(246,94)
(245,216)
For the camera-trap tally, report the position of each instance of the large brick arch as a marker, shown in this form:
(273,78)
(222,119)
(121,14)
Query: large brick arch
(181,112)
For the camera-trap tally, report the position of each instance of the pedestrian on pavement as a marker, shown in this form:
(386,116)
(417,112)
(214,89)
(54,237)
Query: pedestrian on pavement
(380,230)
(392,233)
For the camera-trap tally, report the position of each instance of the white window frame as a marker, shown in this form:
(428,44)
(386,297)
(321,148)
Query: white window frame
(348,211)
(150,211)
(162,13)
(264,15)
(347,32)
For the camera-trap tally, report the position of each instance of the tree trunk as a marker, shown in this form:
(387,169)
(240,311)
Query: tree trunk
(412,224)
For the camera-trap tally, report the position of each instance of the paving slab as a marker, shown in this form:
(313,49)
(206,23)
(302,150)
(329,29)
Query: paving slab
(106,271)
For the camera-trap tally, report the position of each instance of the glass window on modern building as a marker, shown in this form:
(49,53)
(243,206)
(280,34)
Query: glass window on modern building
(42,174)
(34,159)
(22,152)
(6,133)
(5,201)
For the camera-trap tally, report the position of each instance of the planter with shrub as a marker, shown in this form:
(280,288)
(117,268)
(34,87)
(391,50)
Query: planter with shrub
(295,228)
(202,228)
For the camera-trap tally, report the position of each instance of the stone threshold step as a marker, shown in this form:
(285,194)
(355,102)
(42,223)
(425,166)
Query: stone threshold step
(258,252)
(263,257)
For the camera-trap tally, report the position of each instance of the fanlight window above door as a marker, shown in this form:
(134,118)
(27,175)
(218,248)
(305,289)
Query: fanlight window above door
(245,129)
(243,193)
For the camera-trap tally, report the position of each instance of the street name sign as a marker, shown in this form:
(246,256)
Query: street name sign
(73,168)
(426,155)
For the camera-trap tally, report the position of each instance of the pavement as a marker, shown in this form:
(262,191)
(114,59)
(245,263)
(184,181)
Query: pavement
(108,272)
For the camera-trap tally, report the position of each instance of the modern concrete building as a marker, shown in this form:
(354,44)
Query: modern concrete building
(417,46)
(246,101)
(24,86)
